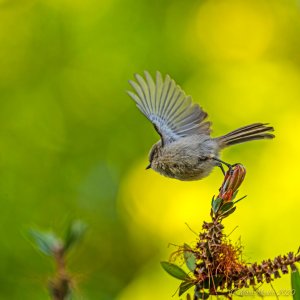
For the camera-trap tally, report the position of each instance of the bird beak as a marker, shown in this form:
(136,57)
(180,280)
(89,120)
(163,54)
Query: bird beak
(148,167)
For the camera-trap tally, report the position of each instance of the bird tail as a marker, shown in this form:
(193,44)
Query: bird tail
(256,131)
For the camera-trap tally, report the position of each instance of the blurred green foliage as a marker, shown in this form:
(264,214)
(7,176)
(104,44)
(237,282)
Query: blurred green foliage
(72,144)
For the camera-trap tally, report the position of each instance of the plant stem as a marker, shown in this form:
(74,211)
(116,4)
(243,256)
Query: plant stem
(59,286)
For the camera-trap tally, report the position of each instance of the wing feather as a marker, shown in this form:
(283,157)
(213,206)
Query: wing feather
(164,103)
(145,90)
(140,96)
(159,86)
(151,88)
(169,98)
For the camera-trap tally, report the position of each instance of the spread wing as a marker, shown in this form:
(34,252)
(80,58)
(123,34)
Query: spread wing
(165,104)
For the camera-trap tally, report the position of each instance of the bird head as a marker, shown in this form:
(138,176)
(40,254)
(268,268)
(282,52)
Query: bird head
(154,154)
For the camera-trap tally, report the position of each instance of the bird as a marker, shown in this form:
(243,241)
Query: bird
(185,151)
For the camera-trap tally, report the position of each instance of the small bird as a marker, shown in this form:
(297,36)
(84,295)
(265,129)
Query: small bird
(185,151)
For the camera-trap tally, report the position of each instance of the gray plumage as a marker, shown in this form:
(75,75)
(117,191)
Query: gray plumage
(185,151)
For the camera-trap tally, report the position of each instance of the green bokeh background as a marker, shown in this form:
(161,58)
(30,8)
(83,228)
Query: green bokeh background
(73,145)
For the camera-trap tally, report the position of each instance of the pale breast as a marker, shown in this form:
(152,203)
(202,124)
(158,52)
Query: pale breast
(187,159)
(185,172)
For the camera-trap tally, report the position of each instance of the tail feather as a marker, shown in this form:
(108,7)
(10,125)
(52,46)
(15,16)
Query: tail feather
(248,128)
(256,131)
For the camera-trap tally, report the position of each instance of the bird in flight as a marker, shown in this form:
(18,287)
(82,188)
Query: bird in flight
(185,151)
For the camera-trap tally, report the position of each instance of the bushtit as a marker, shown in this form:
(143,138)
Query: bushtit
(185,151)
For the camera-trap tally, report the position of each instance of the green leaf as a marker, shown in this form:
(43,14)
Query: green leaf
(295,279)
(184,286)
(210,282)
(234,195)
(46,242)
(75,233)
(201,295)
(240,199)
(205,284)
(228,212)
(189,257)
(216,204)
(174,270)
(212,200)
(217,280)
(226,206)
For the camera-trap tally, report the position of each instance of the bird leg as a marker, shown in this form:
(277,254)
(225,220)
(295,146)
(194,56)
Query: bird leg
(221,167)
(221,163)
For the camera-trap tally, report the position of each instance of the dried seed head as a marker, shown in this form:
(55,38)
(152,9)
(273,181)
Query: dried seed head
(217,265)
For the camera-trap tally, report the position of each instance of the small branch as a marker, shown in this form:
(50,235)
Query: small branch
(60,285)
(48,243)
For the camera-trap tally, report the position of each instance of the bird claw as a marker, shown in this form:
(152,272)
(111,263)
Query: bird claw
(221,163)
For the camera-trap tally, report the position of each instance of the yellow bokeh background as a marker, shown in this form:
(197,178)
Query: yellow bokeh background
(73,144)
(234,39)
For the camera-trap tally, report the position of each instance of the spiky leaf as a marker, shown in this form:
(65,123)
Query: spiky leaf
(184,286)
(174,270)
(240,199)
